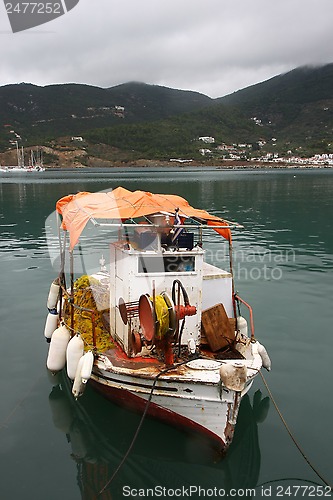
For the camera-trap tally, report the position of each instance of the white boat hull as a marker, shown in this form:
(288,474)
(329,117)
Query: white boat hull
(194,400)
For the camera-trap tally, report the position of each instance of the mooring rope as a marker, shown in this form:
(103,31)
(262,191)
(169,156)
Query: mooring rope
(292,436)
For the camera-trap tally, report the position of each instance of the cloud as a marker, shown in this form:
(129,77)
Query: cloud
(212,46)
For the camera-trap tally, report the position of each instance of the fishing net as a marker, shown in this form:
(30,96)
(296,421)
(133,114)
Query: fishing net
(91,306)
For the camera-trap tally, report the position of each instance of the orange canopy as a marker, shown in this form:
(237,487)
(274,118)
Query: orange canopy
(121,204)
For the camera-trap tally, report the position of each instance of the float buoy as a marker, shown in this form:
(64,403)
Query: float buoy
(87,365)
(51,324)
(242,325)
(56,358)
(78,387)
(74,352)
(266,362)
(53,296)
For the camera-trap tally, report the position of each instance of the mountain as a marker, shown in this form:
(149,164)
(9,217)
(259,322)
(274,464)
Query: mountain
(153,102)
(296,107)
(55,110)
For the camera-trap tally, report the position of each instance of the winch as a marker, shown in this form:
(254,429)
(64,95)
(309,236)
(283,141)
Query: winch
(160,317)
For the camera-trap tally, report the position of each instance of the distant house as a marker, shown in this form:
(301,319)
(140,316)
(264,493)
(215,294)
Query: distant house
(77,139)
(225,147)
(119,111)
(207,140)
(257,121)
(204,152)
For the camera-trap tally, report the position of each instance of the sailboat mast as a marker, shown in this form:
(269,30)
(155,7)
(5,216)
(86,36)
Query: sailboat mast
(18,154)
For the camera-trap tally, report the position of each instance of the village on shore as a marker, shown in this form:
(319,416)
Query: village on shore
(73,152)
(244,152)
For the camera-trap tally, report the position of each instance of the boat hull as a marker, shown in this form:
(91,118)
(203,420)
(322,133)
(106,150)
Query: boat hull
(201,409)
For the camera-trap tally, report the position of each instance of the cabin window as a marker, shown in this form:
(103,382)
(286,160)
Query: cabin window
(167,263)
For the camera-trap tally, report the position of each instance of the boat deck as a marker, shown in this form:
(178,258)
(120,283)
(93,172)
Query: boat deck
(203,369)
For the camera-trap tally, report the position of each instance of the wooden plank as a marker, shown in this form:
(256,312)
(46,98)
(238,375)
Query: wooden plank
(203,339)
(217,327)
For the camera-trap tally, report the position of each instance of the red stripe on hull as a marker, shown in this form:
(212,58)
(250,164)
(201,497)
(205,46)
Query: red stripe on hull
(135,403)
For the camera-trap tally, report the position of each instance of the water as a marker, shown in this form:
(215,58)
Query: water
(51,448)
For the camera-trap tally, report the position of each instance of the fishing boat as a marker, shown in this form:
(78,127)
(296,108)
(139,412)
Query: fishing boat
(158,330)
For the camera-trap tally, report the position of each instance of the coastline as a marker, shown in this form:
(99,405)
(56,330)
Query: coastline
(68,157)
(183,164)
(72,161)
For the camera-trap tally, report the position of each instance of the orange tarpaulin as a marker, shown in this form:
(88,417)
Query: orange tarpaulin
(121,204)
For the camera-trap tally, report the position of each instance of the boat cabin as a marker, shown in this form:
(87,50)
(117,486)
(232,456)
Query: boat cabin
(140,264)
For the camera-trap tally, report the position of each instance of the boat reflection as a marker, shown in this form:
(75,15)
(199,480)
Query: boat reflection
(100,434)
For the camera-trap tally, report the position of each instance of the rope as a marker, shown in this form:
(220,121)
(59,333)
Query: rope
(291,435)
(139,426)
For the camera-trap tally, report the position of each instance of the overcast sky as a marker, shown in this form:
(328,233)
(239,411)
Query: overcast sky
(210,46)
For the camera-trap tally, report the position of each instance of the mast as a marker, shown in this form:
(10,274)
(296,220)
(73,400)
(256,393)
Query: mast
(18,154)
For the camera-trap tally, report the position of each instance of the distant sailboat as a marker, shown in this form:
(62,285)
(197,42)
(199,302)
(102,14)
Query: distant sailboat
(35,164)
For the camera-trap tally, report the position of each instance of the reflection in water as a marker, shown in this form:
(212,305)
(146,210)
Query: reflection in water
(100,433)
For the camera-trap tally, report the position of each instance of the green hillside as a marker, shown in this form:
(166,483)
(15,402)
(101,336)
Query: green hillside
(297,107)
(149,121)
(178,136)
(38,113)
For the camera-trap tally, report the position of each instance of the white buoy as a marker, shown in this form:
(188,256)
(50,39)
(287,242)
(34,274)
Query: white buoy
(56,358)
(266,362)
(74,352)
(78,387)
(88,361)
(53,295)
(242,325)
(51,324)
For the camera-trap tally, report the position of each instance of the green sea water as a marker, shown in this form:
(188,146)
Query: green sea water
(54,449)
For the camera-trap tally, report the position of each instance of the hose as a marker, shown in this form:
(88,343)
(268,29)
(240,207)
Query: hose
(186,302)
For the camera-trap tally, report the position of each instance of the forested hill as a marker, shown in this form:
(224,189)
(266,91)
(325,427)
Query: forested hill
(296,106)
(38,113)
(295,110)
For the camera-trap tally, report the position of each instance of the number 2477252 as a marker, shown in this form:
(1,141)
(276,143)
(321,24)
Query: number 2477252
(34,8)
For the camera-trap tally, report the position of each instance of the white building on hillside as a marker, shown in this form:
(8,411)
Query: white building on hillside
(207,140)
